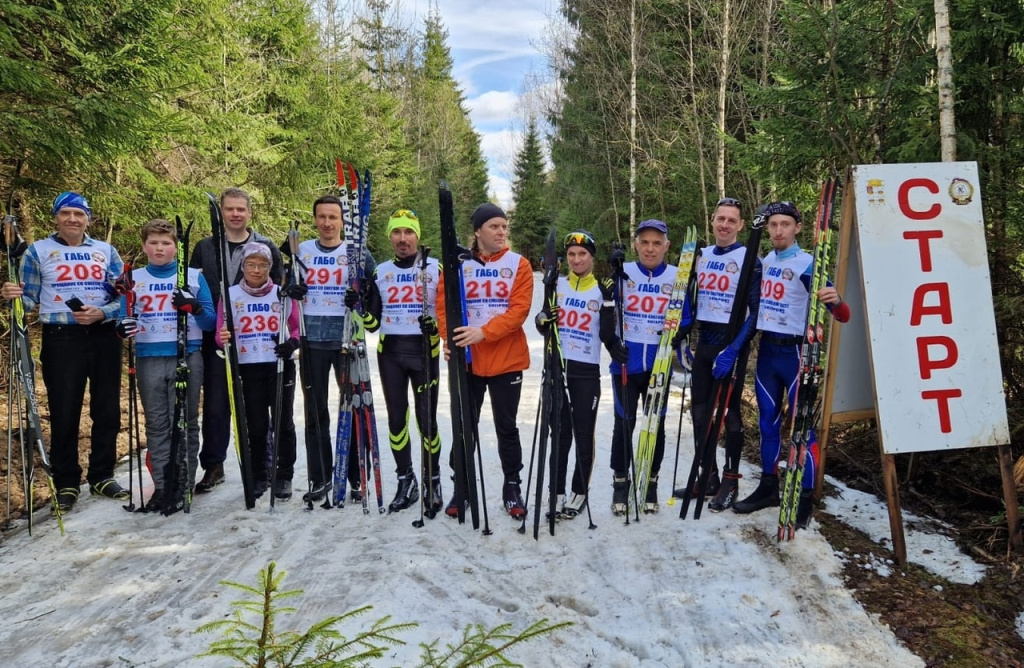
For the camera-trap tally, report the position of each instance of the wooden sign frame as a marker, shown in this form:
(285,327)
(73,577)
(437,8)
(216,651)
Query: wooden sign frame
(856,399)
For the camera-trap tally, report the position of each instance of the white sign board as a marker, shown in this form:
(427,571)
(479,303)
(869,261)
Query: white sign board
(928,301)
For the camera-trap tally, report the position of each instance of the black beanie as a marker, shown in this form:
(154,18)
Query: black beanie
(485,212)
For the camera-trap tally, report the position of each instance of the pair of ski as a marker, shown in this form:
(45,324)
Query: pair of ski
(804,414)
(22,392)
(356,410)
(465,436)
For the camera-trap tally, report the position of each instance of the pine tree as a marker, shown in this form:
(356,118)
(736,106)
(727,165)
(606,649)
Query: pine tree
(531,218)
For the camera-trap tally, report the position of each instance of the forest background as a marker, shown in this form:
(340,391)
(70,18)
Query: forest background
(648,108)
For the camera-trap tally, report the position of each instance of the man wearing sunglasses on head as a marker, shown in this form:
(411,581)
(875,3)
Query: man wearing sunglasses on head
(646,290)
(397,304)
(716,355)
(326,298)
(499,293)
(585,319)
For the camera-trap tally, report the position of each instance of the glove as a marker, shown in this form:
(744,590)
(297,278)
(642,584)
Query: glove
(296,291)
(127,328)
(428,325)
(618,350)
(287,349)
(681,334)
(725,361)
(352,298)
(760,216)
(617,260)
(686,358)
(545,319)
(183,300)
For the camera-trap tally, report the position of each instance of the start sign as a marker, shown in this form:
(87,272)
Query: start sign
(928,304)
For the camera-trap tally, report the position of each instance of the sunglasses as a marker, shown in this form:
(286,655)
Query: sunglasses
(578,239)
(404,213)
(730,201)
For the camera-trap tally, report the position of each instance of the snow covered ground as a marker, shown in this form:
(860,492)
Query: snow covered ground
(126,589)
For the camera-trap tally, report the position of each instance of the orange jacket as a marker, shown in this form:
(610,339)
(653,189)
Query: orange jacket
(504,347)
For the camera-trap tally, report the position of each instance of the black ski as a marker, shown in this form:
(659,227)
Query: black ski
(721,389)
(177,492)
(236,400)
(552,390)
(464,442)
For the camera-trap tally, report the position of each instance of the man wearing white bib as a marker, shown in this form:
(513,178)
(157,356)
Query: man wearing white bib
(498,296)
(785,292)
(70,276)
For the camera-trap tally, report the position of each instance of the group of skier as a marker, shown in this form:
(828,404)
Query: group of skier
(70,276)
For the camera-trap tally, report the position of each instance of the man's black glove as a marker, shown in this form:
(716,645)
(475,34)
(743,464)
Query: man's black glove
(617,260)
(296,291)
(127,328)
(618,350)
(352,298)
(681,334)
(287,349)
(183,300)
(428,325)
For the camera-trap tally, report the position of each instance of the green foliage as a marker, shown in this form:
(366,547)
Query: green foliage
(143,106)
(251,636)
(531,219)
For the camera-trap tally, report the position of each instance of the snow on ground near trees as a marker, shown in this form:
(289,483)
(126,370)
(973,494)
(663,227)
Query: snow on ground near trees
(126,589)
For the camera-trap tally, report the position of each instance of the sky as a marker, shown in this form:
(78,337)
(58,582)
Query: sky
(495,45)
(130,589)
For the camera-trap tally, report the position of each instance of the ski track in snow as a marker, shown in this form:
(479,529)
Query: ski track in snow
(130,589)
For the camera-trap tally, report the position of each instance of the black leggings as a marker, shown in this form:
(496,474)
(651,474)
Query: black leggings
(397,373)
(505,390)
(702,402)
(578,419)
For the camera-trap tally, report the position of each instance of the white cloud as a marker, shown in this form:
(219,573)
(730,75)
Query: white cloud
(499,149)
(493,107)
(493,46)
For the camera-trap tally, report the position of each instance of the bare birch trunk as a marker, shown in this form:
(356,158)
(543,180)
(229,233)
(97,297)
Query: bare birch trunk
(944,56)
(722,84)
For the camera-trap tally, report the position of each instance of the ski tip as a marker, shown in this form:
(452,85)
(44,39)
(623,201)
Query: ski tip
(339,169)
(443,185)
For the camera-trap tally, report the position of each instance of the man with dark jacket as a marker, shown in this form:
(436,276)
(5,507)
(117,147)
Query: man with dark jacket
(236,208)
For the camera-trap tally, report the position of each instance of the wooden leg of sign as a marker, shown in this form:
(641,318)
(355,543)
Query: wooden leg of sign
(892,496)
(823,434)
(1010,497)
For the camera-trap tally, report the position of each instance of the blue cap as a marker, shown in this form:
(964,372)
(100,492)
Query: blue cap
(70,200)
(652,224)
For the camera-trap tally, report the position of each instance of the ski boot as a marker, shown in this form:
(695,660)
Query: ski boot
(212,477)
(513,500)
(574,506)
(651,500)
(407,493)
(317,492)
(765,496)
(559,507)
(432,500)
(713,484)
(727,492)
(620,494)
